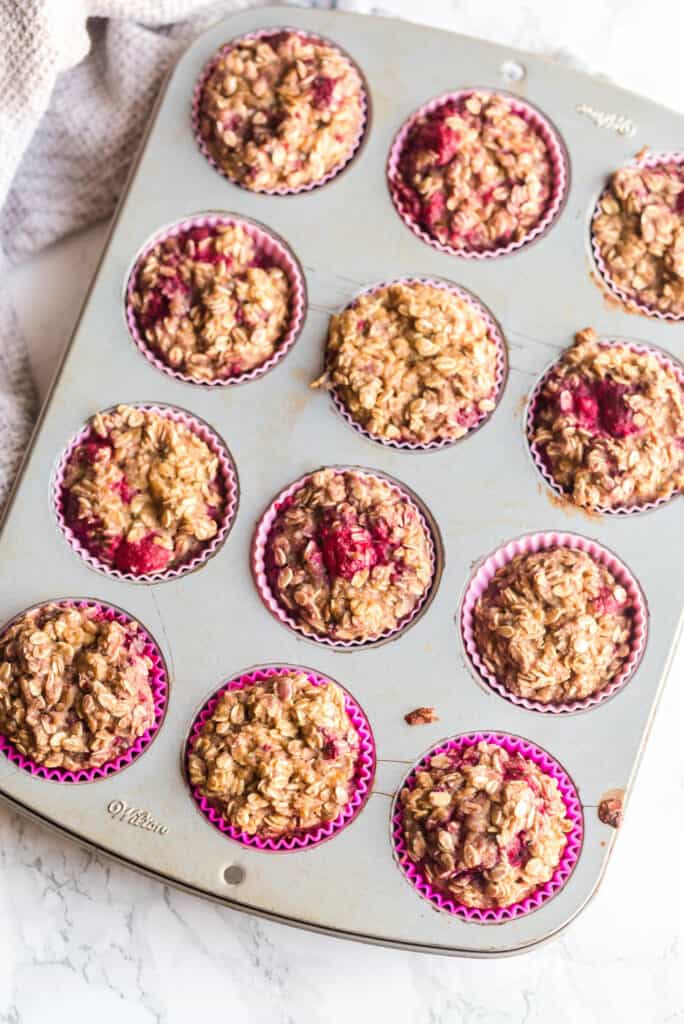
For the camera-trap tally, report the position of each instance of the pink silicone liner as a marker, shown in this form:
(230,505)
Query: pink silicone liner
(160,692)
(267,244)
(281,190)
(630,299)
(227,475)
(495,334)
(260,541)
(538,457)
(569,858)
(546,542)
(363,777)
(542,126)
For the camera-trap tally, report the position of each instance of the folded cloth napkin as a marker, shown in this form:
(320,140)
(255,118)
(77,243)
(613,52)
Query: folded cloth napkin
(77,80)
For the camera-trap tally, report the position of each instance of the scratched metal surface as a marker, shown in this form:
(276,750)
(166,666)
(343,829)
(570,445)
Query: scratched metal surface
(482,492)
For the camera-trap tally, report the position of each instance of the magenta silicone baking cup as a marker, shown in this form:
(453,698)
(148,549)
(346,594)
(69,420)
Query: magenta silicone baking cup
(272,250)
(495,334)
(529,544)
(260,572)
(558,160)
(355,142)
(631,299)
(569,858)
(362,782)
(160,691)
(538,455)
(228,480)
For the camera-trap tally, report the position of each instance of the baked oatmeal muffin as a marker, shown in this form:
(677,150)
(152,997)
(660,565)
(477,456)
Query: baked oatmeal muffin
(142,492)
(485,827)
(639,232)
(281,111)
(278,756)
(74,687)
(609,425)
(474,174)
(210,303)
(412,362)
(553,626)
(348,556)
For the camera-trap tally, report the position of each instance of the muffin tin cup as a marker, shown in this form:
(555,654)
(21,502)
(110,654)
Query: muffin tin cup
(355,143)
(260,574)
(538,456)
(158,685)
(630,299)
(363,777)
(542,126)
(267,244)
(495,333)
(227,476)
(544,542)
(441,901)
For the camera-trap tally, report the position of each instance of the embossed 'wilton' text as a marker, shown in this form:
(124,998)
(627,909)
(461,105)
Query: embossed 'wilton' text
(136,816)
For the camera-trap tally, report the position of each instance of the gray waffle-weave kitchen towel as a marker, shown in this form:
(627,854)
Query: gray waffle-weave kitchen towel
(77,79)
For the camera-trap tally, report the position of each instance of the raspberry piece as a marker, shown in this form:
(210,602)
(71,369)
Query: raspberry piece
(90,451)
(347,550)
(141,556)
(276,39)
(433,210)
(198,234)
(600,407)
(516,851)
(468,417)
(125,490)
(607,604)
(156,308)
(323,89)
(616,416)
(440,139)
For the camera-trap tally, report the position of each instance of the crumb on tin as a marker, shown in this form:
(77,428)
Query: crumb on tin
(421,716)
(611,811)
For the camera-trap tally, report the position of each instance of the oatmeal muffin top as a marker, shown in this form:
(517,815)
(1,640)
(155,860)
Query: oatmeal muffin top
(348,556)
(639,231)
(486,828)
(281,111)
(553,626)
(609,424)
(412,362)
(142,492)
(474,174)
(210,303)
(278,756)
(74,687)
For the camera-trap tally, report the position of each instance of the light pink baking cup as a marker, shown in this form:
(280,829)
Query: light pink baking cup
(569,858)
(543,127)
(363,778)
(355,143)
(227,477)
(630,299)
(495,334)
(259,572)
(160,692)
(269,245)
(538,455)
(545,542)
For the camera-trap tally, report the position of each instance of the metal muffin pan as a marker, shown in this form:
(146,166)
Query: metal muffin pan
(482,492)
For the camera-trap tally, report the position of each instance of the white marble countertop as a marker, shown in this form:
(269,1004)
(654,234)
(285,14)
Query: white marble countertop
(81,938)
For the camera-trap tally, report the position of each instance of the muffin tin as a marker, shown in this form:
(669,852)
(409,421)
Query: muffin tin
(483,492)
